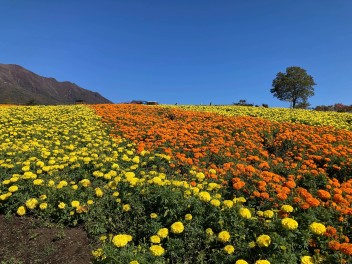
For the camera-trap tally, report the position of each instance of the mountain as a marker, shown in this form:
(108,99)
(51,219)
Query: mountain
(21,86)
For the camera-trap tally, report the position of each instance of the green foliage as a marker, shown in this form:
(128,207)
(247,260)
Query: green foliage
(294,86)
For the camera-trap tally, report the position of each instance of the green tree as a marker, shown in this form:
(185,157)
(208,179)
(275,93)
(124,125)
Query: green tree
(294,86)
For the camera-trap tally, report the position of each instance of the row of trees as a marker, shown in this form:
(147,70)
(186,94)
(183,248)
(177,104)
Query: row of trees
(335,107)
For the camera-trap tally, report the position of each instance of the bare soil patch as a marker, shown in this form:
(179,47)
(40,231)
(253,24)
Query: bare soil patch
(25,240)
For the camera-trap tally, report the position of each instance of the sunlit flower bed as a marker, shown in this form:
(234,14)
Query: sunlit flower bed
(152,185)
(302,116)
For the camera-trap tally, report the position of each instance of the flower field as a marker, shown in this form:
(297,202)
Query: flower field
(302,116)
(157,184)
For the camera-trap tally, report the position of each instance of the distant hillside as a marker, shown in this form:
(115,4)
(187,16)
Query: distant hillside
(21,86)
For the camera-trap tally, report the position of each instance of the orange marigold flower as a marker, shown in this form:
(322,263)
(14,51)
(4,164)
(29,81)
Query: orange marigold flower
(264,195)
(238,185)
(313,202)
(324,195)
(305,206)
(334,245)
(330,231)
(346,248)
(297,200)
(256,194)
(281,196)
(346,238)
(264,166)
(290,184)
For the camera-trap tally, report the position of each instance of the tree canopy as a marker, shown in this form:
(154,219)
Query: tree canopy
(294,86)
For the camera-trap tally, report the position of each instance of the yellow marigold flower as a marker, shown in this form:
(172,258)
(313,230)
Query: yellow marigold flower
(90,202)
(13,188)
(229,249)
(245,213)
(268,214)
(129,174)
(157,250)
(31,203)
(215,202)
(212,171)
(317,228)
(43,206)
(3,197)
(85,182)
(287,208)
(188,217)
(289,223)
(228,203)
(29,175)
(99,192)
(75,203)
(115,194)
(26,168)
(38,182)
(61,205)
(241,261)
(99,252)
(98,174)
(135,159)
(43,197)
(209,231)
(155,239)
(153,215)
(163,232)
(218,196)
(241,199)
(21,210)
(212,186)
(200,176)
(260,213)
(262,261)
(51,183)
(14,178)
(195,190)
(177,228)
(121,240)
(126,207)
(62,184)
(221,222)
(134,262)
(86,160)
(187,193)
(307,260)
(204,196)
(224,236)
(103,238)
(252,244)
(263,241)
(5,182)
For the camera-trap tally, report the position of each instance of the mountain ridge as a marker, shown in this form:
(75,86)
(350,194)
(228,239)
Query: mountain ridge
(22,86)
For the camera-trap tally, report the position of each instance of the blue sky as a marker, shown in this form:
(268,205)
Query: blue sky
(183,51)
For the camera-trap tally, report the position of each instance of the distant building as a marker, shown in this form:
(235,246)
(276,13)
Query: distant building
(79,101)
(138,102)
(144,102)
(152,103)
